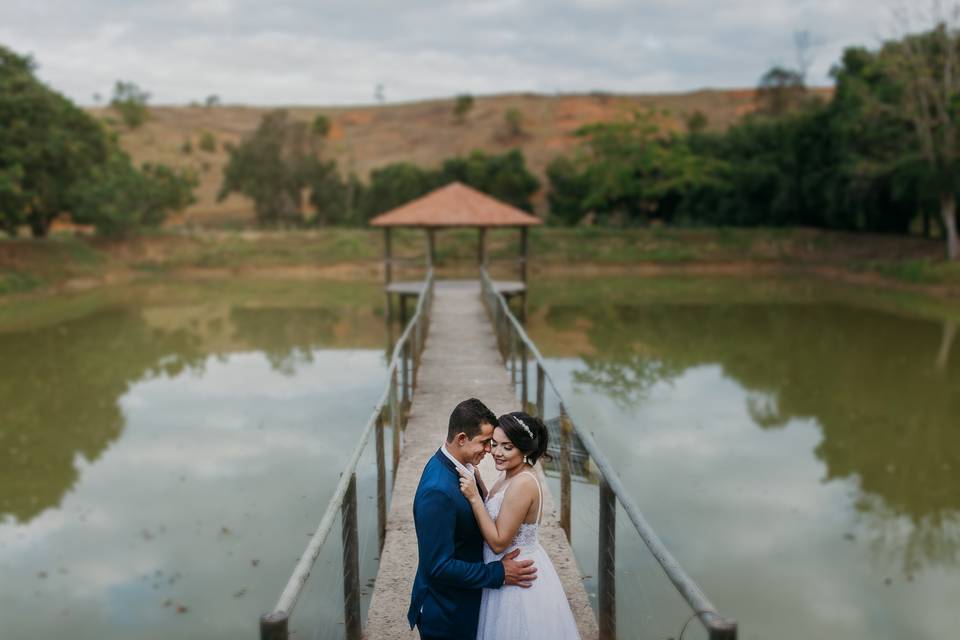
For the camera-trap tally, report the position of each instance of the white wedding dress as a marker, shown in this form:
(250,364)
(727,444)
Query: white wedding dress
(538,612)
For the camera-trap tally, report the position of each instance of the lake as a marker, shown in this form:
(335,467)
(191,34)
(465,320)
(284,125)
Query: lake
(796,445)
(166,451)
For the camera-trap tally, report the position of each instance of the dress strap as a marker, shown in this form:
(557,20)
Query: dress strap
(539,494)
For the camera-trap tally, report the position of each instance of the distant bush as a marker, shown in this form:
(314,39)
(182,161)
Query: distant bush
(513,119)
(321,125)
(462,106)
(131,102)
(208,142)
(187,147)
(213,100)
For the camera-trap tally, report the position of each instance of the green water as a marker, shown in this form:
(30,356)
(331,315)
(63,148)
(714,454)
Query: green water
(796,446)
(166,450)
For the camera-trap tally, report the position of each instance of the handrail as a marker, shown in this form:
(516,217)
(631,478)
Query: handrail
(274,625)
(718,627)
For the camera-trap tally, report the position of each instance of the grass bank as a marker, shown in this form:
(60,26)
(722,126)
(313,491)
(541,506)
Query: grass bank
(69,263)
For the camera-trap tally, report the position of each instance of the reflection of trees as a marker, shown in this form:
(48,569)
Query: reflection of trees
(59,398)
(287,337)
(885,398)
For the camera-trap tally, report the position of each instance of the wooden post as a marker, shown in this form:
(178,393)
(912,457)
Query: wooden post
(524,253)
(394,422)
(523,375)
(381,483)
(723,630)
(387,255)
(606,567)
(431,247)
(405,357)
(565,463)
(541,383)
(402,302)
(273,626)
(351,562)
(482,246)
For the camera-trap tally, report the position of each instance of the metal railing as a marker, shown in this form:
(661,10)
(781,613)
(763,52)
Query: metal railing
(517,349)
(390,409)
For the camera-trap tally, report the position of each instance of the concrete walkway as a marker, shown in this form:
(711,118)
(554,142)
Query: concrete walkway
(461,360)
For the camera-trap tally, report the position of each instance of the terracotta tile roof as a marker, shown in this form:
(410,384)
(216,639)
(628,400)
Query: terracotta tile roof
(455,205)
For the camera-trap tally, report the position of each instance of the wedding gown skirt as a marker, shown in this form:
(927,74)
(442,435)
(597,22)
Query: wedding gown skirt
(539,612)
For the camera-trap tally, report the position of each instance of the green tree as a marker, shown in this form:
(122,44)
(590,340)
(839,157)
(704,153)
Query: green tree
(780,91)
(462,106)
(697,122)
(321,125)
(208,142)
(504,176)
(273,166)
(46,146)
(513,120)
(131,102)
(118,198)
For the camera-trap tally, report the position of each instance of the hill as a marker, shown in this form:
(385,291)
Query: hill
(364,138)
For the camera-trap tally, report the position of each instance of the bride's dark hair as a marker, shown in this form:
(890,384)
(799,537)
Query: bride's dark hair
(527,433)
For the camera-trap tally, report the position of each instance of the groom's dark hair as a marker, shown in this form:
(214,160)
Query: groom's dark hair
(467,418)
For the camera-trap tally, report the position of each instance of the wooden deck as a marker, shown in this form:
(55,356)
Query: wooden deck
(461,360)
(413,288)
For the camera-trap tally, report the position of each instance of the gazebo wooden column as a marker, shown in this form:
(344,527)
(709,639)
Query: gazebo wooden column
(431,246)
(481,246)
(524,254)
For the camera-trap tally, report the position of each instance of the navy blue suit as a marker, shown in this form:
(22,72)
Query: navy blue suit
(445,602)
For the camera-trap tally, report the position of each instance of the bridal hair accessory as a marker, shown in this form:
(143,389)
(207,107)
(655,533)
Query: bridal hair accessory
(525,427)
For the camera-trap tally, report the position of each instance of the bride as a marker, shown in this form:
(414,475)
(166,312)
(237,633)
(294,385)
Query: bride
(510,519)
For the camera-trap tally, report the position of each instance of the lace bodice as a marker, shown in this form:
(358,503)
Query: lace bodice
(527,533)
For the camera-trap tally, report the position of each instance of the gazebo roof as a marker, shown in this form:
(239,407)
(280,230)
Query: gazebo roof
(455,205)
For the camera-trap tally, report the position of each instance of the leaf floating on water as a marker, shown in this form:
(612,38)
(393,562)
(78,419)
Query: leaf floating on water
(168,602)
(41,574)
(225,531)
(255,561)
(239,594)
(182,609)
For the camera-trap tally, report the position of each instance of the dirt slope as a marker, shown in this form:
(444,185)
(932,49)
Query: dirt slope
(363,138)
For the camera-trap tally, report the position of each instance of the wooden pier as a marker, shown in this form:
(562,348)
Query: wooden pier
(460,360)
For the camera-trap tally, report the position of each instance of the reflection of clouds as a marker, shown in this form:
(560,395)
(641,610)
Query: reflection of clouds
(746,511)
(210,473)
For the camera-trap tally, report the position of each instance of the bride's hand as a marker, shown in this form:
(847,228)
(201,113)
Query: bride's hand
(468,486)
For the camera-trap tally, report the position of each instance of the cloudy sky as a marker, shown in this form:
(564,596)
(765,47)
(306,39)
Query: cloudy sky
(337,51)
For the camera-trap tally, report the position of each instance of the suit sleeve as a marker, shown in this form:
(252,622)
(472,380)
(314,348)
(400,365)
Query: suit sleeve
(435,519)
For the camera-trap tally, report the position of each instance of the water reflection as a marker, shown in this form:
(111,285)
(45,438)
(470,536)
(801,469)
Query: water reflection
(164,453)
(658,380)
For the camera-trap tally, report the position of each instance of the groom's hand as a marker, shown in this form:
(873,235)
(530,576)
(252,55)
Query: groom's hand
(520,573)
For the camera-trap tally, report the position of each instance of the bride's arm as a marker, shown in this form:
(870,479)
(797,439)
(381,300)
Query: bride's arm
(516,503)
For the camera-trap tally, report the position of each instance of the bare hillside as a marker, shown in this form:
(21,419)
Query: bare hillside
(363,138)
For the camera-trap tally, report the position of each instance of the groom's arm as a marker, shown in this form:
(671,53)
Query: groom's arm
(435,519)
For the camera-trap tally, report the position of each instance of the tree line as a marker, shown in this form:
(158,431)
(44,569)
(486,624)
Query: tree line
(882,155)
(55,158)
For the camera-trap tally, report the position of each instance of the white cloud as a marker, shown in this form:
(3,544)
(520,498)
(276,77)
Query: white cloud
(300,52)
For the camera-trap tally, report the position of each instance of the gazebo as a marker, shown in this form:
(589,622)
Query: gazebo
(450,206)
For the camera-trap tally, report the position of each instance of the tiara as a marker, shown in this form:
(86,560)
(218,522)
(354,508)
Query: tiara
(524,425)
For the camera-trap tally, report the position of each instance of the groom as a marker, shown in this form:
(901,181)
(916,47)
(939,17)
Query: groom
(445,603)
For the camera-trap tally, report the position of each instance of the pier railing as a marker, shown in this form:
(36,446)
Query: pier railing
(389,411)
(519,353)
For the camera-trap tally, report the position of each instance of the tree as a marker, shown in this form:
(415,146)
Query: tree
(321,125)
(503,176)
(47,145)
(208,142)
(212,100)
(926,67)
(273,166)
(780,91)
(131,102)
(697,121)
(462,106)
(118,198)
(513,119)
